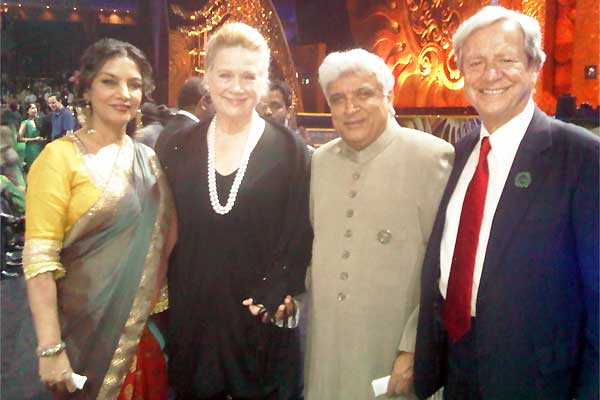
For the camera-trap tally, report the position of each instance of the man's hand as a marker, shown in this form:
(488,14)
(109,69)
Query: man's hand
(401,379)
(284,311)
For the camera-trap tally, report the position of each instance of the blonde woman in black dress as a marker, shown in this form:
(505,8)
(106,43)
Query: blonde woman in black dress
(241,190)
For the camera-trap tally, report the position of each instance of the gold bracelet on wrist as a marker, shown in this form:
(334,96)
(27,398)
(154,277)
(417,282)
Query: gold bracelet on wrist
(52,351)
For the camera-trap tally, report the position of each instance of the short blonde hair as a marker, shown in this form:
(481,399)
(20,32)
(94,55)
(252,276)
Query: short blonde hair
(238,34)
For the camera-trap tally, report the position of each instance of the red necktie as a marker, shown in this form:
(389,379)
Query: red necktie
(457,307)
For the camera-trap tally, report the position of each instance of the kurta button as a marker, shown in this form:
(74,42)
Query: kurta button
(175,147)
(348,233)
(384,236)
(264,278)
(352,194)
(349,213)
(356,176)
(341,296)
(284,267)
(345,254)
(344,276)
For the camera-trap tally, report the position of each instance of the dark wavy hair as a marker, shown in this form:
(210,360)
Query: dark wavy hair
(95,56)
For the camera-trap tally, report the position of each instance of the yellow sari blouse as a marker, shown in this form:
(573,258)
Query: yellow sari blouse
(60,190)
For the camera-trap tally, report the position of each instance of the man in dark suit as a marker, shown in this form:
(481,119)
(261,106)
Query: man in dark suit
(194,106)
(509,299)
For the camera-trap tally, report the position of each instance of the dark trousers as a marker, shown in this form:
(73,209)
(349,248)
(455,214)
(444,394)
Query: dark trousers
(225,396)
(462,381)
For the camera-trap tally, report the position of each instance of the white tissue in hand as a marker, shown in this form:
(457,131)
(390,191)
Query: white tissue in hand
(78,380)
(380,385)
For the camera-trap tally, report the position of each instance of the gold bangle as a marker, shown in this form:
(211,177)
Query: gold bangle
(52,351)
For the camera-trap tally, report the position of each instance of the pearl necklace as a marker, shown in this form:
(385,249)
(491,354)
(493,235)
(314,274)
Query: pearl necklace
(254,135)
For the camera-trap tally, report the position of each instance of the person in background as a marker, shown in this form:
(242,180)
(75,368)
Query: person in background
(100,226)
(276,106)
(73,110)
(12,207)
(277,103)
(45,121)
(194,106)
(63,120)
(241,190)
(509,294)
(30,98)
(11,117)
(30,135)
(13,179)
(153,118)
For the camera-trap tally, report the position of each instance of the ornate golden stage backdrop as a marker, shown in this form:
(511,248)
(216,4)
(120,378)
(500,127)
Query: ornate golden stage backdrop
(187,44)
(414,38)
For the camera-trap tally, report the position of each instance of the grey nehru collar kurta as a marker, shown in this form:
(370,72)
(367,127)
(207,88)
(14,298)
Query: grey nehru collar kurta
(372,150)
(372,214)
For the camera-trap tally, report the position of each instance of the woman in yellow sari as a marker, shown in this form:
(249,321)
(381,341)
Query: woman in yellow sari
(99,228)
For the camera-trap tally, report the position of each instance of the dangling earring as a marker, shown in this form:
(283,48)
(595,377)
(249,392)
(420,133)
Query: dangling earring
(87,113)
(138,120)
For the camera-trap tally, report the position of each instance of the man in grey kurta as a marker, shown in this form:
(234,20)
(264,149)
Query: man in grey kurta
(374,196)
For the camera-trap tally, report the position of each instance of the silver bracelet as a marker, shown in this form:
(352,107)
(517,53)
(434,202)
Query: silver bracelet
(52,351)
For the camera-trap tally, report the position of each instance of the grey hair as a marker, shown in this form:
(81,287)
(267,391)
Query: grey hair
(355,60)
(532,34)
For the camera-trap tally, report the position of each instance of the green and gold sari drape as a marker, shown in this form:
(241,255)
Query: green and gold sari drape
(112,262)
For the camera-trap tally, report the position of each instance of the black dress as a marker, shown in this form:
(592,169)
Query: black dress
(256,250)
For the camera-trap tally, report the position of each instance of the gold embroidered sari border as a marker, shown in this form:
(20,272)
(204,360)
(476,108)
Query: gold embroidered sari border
(100,203)
(141,308)
(110,192)
(162,304)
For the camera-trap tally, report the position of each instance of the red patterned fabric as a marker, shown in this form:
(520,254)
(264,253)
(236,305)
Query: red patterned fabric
(147,377)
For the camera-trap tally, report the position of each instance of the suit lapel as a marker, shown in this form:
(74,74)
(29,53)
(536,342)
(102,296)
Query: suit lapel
(518,194)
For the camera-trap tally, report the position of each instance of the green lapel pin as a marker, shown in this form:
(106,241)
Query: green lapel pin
(523,179)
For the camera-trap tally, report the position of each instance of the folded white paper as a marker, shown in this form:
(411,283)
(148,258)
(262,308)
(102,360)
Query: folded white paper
(380,385)
(78,380)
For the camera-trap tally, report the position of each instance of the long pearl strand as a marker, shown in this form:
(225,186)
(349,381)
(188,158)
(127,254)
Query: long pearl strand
(253,135)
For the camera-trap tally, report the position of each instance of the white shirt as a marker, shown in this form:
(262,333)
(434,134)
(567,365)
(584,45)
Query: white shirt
(504,144)
(189,115)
